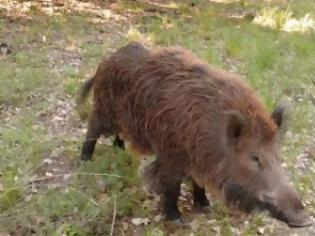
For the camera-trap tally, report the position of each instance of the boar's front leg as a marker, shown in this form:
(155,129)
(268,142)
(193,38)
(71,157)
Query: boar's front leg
(164,177)
(200,198)
(170,198)
(93,133)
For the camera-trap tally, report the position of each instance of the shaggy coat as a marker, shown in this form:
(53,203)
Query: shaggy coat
(199,121)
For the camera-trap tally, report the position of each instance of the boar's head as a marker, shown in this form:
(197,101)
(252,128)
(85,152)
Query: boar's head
(251,175)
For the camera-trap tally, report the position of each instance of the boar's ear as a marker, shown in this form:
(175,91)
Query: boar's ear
(236,126)
(279,113)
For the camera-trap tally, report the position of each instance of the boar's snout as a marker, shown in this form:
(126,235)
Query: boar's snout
(285,205)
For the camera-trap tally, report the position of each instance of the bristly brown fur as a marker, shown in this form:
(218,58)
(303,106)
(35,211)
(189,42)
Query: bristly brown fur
(170,103)
(200,122)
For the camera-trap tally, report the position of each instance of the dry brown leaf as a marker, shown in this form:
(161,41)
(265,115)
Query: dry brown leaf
(140,221)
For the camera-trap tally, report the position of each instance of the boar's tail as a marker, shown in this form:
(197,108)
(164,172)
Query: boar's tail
(84,91)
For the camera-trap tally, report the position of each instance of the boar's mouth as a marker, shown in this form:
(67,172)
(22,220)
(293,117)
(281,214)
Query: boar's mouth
(293,217)
(239,196)
(246,201)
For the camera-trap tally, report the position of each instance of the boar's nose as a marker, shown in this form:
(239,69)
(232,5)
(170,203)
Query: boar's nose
(287,208)
(299,219)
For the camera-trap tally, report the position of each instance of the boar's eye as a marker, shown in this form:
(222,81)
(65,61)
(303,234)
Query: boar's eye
(255,158)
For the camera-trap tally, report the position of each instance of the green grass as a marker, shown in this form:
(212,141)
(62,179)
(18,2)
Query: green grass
(38,86)
(18,83)
(29,91)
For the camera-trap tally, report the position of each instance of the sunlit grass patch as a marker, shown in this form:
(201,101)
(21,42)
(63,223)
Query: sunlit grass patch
(133,34)
(284,20)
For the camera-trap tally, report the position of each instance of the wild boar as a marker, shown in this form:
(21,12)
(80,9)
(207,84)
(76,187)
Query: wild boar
(200,122)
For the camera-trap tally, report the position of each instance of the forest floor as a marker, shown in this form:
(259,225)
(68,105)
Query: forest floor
(48,48)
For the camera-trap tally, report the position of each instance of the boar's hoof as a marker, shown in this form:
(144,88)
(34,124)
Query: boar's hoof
(85,157)
(177,221)
(174,216)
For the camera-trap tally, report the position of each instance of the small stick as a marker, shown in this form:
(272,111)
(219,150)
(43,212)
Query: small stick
(114,218)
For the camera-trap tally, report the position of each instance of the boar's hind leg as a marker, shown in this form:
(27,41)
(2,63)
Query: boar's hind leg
(118,142)
(200,198)
(93,133)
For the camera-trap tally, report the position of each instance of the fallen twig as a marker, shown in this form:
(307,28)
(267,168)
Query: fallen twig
(73,173)
(114,217)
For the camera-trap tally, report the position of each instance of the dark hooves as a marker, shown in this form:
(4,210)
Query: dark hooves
(177,221)
(85,157)
(174,217)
